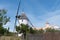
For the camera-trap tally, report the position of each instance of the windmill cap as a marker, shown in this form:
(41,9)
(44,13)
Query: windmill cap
(23,16)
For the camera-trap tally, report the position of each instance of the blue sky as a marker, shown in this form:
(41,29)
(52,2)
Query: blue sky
(38,11)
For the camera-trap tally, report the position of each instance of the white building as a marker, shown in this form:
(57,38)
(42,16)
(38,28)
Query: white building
(48,25)
(23,18)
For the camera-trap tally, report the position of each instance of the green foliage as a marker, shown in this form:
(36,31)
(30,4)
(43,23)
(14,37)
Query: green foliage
(52,30)
(57,30)
(25,29)
(17,28)
(33,31)
(49,30)
(3,20)
(22,28)
(41,31)
(3,31)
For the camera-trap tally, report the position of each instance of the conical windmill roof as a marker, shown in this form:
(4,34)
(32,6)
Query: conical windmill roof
(23,16)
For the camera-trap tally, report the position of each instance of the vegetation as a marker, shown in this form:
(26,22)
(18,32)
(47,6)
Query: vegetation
(3,20)
(51,30)
(24,29)
(32,31)
(41,31)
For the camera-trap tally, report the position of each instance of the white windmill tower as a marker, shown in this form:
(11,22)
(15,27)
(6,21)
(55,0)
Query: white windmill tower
(23,19)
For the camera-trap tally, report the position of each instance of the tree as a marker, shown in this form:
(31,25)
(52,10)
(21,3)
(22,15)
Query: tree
(50,30)
(25,29)
(1,30)
(33,31)
(3,17)
(22,29)
(41,31)
(3,20)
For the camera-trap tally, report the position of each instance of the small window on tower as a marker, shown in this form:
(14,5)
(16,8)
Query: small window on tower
(22,20)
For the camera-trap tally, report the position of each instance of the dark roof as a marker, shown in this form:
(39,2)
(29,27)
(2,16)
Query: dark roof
(47,22)
(22,16)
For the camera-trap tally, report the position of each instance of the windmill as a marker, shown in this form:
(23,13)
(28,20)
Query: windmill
(21,18)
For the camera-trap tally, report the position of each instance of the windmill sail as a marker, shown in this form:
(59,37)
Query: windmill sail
(17,15)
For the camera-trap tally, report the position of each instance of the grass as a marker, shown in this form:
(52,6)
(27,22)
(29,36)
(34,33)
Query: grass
(9,38)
